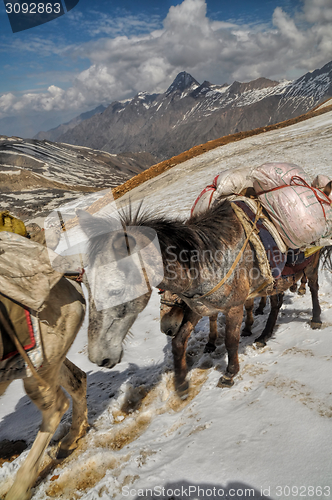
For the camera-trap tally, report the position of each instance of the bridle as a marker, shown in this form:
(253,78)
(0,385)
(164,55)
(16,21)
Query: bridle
(176,303)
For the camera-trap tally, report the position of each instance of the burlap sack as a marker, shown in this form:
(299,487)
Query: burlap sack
(26,274)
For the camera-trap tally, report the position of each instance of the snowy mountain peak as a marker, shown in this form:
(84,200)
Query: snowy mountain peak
(189,113)
(182,82)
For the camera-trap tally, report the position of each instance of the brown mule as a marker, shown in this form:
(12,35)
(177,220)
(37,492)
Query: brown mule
(172,311)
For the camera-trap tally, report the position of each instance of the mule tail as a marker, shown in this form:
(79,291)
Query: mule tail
(326,258)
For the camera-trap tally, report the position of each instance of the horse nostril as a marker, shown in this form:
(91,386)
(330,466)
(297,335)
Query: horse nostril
(169,332)
(105,362)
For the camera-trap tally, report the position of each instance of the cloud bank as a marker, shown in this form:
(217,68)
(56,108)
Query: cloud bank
(220,52)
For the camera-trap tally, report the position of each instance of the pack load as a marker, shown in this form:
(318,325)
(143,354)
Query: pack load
(301,213)
(228,184)
(26,274)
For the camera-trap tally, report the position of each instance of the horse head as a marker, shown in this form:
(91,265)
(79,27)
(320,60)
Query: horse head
(122,268)
(108,328)
(172,310)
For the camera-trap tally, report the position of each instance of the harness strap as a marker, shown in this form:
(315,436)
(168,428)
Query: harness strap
(236,261)
(22,352)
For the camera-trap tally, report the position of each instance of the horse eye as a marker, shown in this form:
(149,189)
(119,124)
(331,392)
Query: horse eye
(124,245)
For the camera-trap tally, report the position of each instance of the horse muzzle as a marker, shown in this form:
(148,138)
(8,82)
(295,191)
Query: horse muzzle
(105,362)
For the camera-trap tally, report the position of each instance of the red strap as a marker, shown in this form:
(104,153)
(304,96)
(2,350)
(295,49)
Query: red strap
(205,190)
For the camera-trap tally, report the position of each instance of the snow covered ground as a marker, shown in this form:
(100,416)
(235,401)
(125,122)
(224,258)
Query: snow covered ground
(269,436)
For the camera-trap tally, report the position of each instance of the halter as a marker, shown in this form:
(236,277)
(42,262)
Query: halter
(176,303)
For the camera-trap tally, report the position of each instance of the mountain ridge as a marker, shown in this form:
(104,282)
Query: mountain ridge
(54,133)
(189,113)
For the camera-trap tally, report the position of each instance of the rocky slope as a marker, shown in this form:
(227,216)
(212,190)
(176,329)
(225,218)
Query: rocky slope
(37,176)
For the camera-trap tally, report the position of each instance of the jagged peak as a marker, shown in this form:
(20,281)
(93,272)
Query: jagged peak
(182,82)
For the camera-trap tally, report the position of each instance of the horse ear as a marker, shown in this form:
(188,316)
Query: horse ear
(86,221)
(93,225)
(328,188)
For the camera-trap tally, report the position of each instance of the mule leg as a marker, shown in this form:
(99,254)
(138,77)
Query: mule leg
(316,321)
(232,337)
(179,346)
(276,303)
(249,306)
(302,289)
(53,403)
(73,380)
(261,307)
(211,343)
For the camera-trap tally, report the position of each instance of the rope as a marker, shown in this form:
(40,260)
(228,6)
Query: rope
(235,263)
(173,304)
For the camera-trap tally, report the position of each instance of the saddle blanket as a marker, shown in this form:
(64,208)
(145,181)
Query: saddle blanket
(297,265)
(26,327)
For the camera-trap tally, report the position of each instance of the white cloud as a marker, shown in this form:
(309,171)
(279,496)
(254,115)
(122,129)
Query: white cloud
(318,11)
(6,102)
(213,50)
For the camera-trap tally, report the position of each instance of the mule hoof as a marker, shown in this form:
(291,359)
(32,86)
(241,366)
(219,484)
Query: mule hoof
(260,343)
(209,348)
(246,333)
(316,325)
(226,381)
(182,390)
(301,291)
(64,453)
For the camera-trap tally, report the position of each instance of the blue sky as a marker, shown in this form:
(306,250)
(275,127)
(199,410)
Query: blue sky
(108,50)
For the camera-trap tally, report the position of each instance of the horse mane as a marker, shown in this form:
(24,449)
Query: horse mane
(206,233)
(203,235)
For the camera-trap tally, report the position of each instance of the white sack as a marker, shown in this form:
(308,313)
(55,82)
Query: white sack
(297,214)
(294,209)
(320,182)
(234,180)
(227,184)
(271,175)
